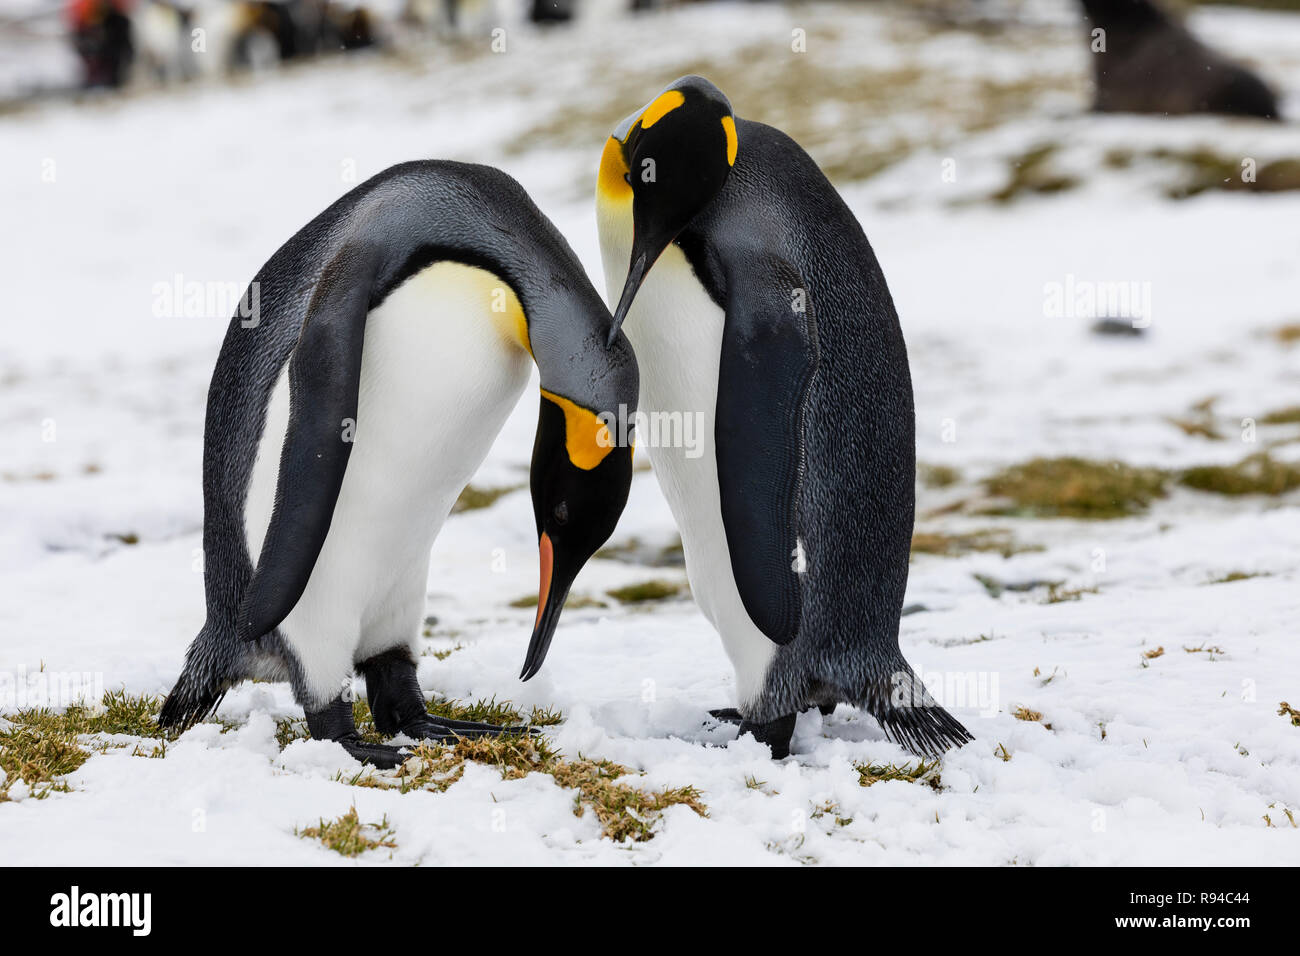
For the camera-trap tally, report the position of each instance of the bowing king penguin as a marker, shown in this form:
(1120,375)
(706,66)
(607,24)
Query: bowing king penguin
(392,337)
(751,294)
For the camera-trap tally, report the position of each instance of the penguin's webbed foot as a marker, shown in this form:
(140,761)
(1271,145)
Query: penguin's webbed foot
(443,729)
(398,705)
(379,755)
(334,722)
(776,734)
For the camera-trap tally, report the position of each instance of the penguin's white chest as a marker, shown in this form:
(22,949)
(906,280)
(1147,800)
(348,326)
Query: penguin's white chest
(676,330)
(440,372)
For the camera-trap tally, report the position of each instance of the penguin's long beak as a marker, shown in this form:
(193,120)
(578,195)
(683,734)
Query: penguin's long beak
(648,245)
(553,589)
(635,276)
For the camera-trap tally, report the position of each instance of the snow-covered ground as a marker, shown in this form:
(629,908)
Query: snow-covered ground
(1171,759)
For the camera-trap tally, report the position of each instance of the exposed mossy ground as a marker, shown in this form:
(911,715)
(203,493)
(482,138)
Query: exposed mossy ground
(1282,416)
(635,551)
(624,812)
(1258,474)
(348,836)
(984,539)
(472,498)
(654,590)
(924,772)
(1288,334)
(1031,173)
(575,602)
(1232,576)
(42,746)
(1074,488)
(1030,716)
(937,476)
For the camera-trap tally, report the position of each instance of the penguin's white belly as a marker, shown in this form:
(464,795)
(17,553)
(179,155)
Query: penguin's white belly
(439,375)
(676,331)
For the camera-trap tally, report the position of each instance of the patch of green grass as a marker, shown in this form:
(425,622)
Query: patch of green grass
(654,590)
(350,837)
(1030,173)
(1075,488)
(636,551)
(41,746)
(472,498)
(623,811)
(1258,474)
(1059,594)
(1237,576)
(1197,427)
(1282,416)
(949,545)
(574,602)
(937,476)
(1286,710)
(1031,716)
(492,711)
(994,587)
(1287,334)
(1204,169)
(924,772)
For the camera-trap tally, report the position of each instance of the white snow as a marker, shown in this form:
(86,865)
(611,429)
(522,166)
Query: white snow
(101,416)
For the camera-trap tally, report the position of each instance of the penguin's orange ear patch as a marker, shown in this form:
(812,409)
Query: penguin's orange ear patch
(610,180)
(733,145)
(586,438)
(664,104)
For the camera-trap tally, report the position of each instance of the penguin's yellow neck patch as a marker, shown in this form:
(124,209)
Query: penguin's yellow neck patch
(586,439)
(664,104)
(506,309)
(610,183)
(733,145)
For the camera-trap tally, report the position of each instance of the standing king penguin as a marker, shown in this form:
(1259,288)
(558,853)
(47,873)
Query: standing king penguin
(766,310)
(329,467)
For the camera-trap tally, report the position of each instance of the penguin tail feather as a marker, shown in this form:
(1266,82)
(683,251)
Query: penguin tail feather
(200,688)
(910,717)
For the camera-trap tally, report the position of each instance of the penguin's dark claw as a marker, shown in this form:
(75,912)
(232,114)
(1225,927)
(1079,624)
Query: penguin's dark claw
(379,755)
(446,730)
(727,715)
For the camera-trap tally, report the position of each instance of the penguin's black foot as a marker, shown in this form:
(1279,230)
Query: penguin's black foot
(776,734)
(428,727)
(398,706)
(727,715)
(334,722)
(379,755)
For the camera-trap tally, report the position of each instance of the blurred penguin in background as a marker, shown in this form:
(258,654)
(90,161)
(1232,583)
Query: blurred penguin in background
(101,35)
(1147,62)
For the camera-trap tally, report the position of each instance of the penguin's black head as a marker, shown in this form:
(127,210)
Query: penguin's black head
(670,159)
(580,479)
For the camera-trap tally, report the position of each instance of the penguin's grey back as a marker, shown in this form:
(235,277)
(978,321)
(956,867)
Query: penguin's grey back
(409,216)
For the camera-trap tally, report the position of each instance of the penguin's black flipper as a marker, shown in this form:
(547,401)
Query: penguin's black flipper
(324,379)
(769,356)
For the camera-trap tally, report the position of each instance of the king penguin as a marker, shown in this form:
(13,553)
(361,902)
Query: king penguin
(373,361)
(766,311)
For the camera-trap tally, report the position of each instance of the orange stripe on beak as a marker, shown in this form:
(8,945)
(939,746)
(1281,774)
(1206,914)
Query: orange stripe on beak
(547,555)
